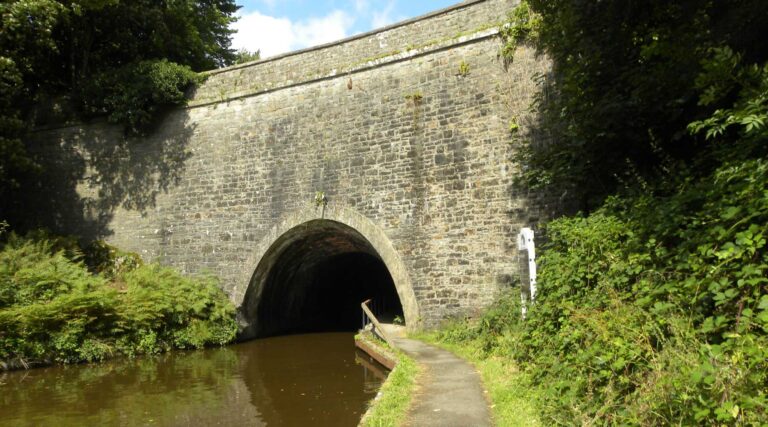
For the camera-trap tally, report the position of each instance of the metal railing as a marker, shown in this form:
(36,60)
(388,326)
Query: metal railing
(370,318)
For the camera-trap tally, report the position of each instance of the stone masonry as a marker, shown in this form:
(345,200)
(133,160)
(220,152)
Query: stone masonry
(406,128)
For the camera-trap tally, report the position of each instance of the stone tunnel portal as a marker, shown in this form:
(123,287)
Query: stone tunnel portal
(313,279)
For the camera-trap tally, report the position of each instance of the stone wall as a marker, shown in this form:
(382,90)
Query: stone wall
(401,40)
(417,141)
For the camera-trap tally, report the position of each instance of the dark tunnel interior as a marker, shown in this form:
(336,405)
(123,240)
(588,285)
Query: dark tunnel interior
(314,279)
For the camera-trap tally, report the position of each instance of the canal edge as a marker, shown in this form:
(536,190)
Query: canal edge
(395,397)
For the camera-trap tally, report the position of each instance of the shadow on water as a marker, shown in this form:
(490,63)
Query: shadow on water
(294,380)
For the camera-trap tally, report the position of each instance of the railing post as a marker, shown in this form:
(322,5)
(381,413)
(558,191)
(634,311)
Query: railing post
(376,325)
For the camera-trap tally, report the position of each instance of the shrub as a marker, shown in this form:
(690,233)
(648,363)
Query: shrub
(53,309)
(133,95)
(109,261)
(654,310)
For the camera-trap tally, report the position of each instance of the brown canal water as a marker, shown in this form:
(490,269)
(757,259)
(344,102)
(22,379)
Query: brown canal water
(297,380)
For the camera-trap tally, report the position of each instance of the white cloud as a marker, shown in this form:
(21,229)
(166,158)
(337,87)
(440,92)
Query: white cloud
(271,35)
(333,26)
(382,18)
(261,32)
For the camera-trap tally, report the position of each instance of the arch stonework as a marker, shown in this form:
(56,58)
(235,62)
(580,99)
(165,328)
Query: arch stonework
(371,232)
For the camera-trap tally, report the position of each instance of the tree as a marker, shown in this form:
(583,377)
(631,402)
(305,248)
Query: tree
(119,58)
(245,55)
(624,87)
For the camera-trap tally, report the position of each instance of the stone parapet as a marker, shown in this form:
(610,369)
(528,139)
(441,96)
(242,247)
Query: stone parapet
(400,41)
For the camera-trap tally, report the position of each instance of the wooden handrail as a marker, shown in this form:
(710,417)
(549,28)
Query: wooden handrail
(375,321)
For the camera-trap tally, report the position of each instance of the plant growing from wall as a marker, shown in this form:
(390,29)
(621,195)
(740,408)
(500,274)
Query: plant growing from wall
(514,128)
(415,100)
(463,68)
(522,24)
(415,97)
(320,199)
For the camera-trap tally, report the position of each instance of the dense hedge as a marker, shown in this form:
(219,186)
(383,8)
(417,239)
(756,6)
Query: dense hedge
(53,309)
(651,310)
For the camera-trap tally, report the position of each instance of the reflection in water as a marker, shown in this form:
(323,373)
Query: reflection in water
(299,380)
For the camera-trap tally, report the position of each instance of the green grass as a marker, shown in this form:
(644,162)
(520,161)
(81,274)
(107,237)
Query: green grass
(390,408)
(511,400)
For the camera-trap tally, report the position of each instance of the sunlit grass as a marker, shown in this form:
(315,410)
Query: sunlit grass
(390,407)
(511,399)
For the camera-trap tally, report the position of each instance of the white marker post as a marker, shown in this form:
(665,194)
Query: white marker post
(525,244)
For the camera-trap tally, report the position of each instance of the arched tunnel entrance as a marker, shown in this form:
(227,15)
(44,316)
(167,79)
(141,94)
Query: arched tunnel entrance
(313,278)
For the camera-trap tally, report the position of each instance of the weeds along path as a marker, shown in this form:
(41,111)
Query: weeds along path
(450,392)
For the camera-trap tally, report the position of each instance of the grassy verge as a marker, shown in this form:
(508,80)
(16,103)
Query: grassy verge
(389,408)
(511,402)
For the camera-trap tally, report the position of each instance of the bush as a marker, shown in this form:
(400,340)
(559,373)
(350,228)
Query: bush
(109,261)
(178,312)
(53,309)
(654,310)
(133,95)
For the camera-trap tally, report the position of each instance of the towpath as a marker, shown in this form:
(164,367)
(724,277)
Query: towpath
(450,393)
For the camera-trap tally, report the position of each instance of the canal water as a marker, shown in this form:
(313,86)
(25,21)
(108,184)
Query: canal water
(297,380)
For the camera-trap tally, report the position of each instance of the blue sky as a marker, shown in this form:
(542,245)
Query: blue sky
(278,26)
